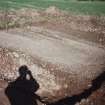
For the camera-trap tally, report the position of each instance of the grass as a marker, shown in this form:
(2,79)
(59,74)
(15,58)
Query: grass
(90,8)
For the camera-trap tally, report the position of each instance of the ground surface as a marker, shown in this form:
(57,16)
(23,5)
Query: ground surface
(57,48)
(53,47)
(74,42)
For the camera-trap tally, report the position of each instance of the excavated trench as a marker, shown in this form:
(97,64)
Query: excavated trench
(67,69)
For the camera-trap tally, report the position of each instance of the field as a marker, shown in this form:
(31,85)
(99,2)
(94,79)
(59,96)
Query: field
(87,8)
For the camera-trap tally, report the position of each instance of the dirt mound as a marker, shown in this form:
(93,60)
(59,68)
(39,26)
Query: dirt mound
(28,12)
(52,10)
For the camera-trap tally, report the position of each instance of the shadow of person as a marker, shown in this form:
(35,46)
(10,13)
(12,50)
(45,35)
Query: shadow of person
(22,90)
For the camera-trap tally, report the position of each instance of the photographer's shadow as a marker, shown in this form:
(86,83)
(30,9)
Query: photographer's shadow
(22,90)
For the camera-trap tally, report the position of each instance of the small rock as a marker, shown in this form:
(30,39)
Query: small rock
(15,54)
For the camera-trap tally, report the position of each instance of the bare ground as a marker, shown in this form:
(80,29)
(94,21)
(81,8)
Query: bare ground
(71,41)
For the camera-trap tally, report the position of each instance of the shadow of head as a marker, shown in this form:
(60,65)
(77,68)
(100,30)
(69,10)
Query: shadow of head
(23,70)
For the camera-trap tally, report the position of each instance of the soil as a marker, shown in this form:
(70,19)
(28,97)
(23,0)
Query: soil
(79,34)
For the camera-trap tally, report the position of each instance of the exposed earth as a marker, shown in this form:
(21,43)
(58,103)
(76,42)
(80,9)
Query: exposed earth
(65,57)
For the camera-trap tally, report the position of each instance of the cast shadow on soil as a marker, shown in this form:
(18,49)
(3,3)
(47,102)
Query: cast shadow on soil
(96,84)
(22,90)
